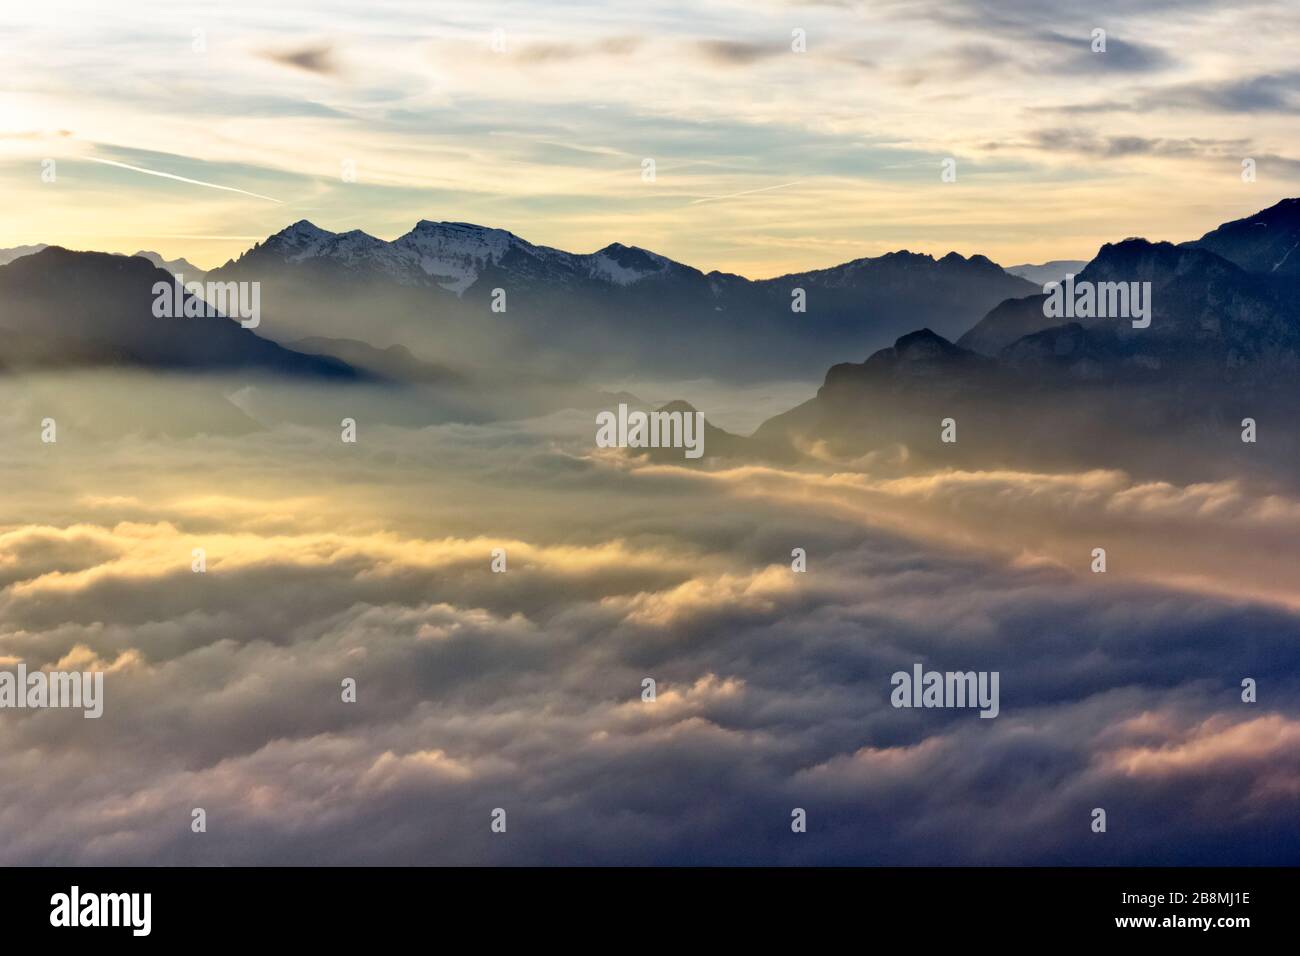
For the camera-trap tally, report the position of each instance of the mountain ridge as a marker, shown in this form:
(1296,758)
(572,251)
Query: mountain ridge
(475,295)
(415,255)
(66,308)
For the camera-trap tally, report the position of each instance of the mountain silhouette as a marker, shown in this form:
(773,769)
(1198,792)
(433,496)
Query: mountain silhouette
(181,266)
(17,252)
(1265,242)
(64,309)
(1030,390)
(475,295)
(1202,305)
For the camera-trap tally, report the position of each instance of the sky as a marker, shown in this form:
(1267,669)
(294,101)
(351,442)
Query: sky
(538,118)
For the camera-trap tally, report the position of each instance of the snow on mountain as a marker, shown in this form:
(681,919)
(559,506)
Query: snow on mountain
(452,255)
(302,240)
(624,265)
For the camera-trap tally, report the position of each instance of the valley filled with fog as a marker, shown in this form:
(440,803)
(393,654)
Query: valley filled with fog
(522,689)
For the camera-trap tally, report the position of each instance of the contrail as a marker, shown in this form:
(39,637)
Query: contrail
(196,182)
(695,202)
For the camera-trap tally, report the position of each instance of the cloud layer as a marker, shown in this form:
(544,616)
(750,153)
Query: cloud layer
(522,690)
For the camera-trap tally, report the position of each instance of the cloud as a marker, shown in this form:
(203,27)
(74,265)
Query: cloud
(1120,55)
(317,58)
(539,52)
(736,52)
(181,179)
(1089,143)
(523,690)
(1220,745)
(1265,93)
(437,121)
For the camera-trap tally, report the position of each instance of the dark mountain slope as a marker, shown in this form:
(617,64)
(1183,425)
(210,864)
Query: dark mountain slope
(1265,243)
(91,309)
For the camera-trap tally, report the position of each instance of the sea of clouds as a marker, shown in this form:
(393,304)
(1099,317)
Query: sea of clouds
(522,690)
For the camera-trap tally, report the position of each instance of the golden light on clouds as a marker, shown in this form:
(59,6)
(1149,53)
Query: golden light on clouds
(769,160)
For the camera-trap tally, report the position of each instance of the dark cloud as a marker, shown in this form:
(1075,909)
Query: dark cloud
(567,52)
(1120,55)
(1265,93)
(1017,17)
(736,52)
(1090,144)
(318,58)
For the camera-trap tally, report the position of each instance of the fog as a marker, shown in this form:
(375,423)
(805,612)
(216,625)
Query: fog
(522,689)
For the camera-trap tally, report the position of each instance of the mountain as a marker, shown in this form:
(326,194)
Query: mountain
(90,309)
(619,310)
(17,252)
(182,267)
(1053,271)
(451,256)
(717,442)
(394,364)
(1168,399)
(1078,407)
(1200,302)
(1264,243)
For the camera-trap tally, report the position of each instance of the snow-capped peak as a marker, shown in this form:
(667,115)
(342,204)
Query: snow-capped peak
(624,265)
(302,240)
(452,255)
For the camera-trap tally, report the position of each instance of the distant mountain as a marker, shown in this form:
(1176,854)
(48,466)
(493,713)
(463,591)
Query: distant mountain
(63,309)
(173,266)
(1202,305)
(452,256)
(17,252)
(394,364)
(718,443)
(618,310)
(189,270)
(1076,404)
(1223,344)
(1262,245)
(1053,271)
(1265,243)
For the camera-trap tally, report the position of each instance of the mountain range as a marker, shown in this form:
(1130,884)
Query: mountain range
(1027,389)
(63,309)
(941,335)
(17,252)
(1043,273)
(616,311)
